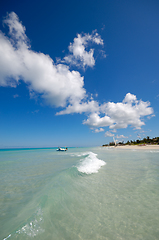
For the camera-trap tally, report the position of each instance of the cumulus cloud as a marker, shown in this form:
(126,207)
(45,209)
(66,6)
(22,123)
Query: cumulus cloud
(95,120)
(129,112)
(109,134)
(79,56)
(16,30)
(129,98)
(99,130)
(121,136)
(55,83)
(80,107)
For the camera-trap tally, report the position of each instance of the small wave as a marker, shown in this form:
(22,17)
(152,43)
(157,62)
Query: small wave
(90,164)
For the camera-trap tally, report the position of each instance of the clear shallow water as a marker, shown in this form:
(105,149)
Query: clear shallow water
(83,193)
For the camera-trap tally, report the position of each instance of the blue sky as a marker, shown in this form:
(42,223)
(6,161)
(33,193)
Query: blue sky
(78,73)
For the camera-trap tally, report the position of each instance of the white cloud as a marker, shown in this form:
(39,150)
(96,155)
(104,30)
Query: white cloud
(79,56)
(129,112)
(121,136)
(113,130)
(95,121)
(80,107)
(99,130)
(153,115)
(129,98)
(16,29)
(55,83)
(121,114)
(109,134)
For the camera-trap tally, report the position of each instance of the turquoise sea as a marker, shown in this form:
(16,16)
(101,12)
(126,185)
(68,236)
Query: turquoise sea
(84,193)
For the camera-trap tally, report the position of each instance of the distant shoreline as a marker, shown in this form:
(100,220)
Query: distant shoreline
(136,147)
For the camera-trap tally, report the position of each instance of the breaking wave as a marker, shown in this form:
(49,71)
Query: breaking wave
(90,164)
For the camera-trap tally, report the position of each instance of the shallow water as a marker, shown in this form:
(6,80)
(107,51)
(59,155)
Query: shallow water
(84,193)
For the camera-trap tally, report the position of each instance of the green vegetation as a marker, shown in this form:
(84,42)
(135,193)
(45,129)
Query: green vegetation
(147,140)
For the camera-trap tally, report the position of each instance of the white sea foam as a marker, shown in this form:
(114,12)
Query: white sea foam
(80,154)
(33,228)
(7,237)
(90,164)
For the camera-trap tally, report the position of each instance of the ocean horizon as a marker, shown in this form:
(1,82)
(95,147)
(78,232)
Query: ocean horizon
(83,193)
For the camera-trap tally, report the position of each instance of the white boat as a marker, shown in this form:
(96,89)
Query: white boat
(62,149)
